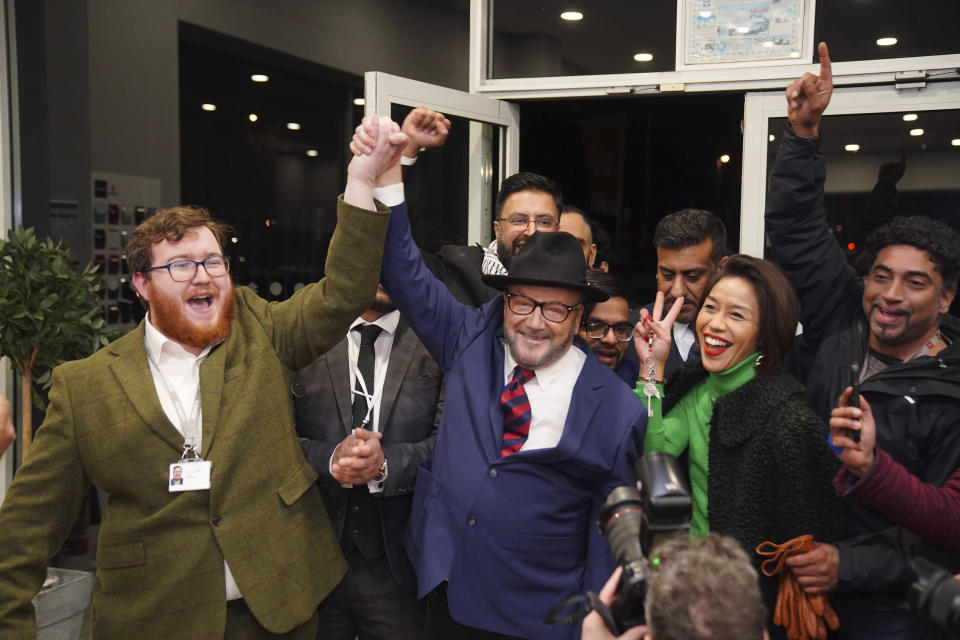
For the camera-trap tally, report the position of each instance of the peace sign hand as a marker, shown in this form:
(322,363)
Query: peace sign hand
(653,336)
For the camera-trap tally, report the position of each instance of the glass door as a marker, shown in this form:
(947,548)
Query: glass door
(452,190)
(888,151)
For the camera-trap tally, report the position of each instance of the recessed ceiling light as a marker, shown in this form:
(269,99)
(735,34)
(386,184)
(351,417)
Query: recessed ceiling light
(571,15)
(643,57)
(253,117)
(886,42)
(293,126)
(771,137)
(259,77)
(234,240)
(916,132)
(313,153)
(359,102)
(851,147)
(909,117)
(206,106)
(955,142)
(724,158)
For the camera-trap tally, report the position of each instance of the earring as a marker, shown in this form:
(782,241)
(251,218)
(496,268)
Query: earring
(759,361)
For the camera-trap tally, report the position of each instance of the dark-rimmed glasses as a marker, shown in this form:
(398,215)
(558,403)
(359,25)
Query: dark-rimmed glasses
(184,270)
(597,329)
(542,223)
(551,310)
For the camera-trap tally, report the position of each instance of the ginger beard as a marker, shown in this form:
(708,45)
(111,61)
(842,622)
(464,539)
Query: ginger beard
(168,318)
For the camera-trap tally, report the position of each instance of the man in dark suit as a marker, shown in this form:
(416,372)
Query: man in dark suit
(691,245)
(366,455)
(535,434)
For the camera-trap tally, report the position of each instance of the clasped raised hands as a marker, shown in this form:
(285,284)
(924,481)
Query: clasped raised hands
(377,144)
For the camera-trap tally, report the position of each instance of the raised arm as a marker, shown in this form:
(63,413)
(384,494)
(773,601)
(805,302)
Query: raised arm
(795,220)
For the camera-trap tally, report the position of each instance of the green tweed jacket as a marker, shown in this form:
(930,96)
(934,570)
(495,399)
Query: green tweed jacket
(160,555)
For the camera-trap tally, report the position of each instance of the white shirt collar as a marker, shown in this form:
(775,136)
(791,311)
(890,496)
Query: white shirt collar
(545,376)
(388,322)
(159,344)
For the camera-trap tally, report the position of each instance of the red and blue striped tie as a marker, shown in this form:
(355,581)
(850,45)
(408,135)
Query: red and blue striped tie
(516,412)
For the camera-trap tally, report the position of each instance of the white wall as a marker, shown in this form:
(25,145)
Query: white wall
(134,124)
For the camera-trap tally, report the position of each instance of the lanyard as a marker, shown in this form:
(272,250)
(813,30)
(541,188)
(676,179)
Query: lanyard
(369,396)
(187,423)
(926,348)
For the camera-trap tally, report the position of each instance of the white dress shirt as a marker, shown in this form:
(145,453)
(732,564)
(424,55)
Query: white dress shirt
(381,359)
(181,369)
(683,337)
(549,392)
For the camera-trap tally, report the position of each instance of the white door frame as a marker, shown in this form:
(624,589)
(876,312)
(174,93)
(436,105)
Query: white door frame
(760,107)
(383,90)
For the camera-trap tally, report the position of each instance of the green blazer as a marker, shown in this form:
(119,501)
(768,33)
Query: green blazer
(160,554)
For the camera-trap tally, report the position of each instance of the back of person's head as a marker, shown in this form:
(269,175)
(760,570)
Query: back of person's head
(936,237)
(777,304)
(704,589)
(690,227)
(527,181)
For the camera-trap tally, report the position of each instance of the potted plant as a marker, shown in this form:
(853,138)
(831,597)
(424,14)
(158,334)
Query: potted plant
(49,313)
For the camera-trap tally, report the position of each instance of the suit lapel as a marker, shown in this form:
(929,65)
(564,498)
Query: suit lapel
(212,396)
(401,355)
(338,366)
(133,374)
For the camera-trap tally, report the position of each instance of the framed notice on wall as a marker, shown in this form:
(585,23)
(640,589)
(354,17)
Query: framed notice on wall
(726,34)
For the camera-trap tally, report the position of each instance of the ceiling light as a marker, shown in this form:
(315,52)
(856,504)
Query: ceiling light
(359,102)
(916,132)
(293,126)
(909,117)
(234,240)
(851,147)
(955,142)
(724,158)
(771,137)
(206,106)
(643,57)
(313,153)
(253,117)
(571,15)
(886,42)
(259,77)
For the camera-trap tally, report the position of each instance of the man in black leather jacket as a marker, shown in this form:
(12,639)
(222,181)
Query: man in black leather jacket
(889,329)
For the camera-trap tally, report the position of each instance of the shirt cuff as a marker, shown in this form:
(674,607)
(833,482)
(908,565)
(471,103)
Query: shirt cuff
(375,486)
(390,195)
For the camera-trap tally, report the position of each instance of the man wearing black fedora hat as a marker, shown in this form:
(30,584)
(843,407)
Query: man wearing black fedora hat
(535,433)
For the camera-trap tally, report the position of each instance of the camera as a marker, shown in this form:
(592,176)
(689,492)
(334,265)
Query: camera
(631,515)
(935,597)
(660,503)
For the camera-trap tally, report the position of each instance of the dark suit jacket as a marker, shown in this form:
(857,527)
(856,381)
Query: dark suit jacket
(160,554)
(409,412)
(515,535)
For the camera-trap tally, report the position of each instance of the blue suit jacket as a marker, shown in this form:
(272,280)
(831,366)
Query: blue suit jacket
(515,535)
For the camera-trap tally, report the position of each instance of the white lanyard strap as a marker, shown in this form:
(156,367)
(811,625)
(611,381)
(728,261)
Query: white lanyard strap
(369,396)
(187,423)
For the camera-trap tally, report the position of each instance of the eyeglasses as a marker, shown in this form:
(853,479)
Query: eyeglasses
(184,270)
(543,223)
(524,306)
(597,329)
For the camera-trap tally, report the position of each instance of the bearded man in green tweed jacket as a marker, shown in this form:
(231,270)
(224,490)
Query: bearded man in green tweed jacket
(253,554)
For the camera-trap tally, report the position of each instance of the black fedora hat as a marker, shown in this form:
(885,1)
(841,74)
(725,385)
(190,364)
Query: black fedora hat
(549,259)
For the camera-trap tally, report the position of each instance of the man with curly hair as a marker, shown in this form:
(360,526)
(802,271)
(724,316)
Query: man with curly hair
(889,331)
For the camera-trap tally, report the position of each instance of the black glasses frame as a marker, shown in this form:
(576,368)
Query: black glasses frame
(196,265)
(510,296)
(628,328)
